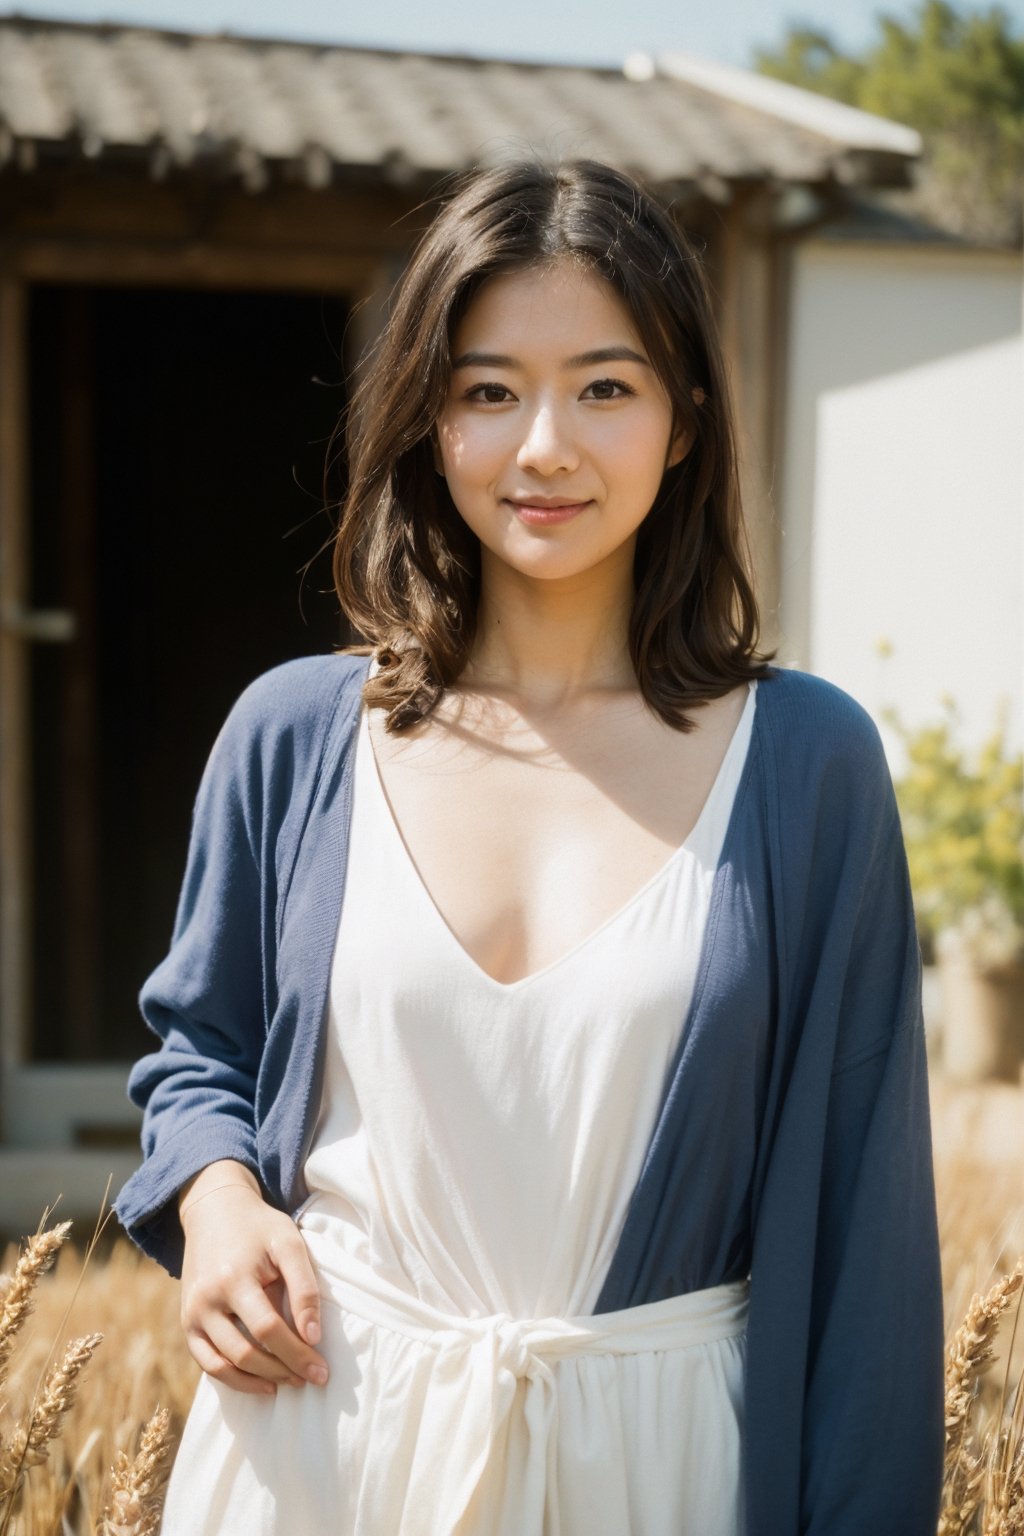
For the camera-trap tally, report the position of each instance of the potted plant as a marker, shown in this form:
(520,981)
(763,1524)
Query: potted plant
(963,823)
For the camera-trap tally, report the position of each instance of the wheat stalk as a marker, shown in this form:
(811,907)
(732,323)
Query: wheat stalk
(1004,1504)
(1013,1522)
(28,1445)
(39,1254)
(968,1357)
(136,1490)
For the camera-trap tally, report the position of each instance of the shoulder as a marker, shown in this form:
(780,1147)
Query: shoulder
(815,721)
(289,711)
(294,693)
(827,761)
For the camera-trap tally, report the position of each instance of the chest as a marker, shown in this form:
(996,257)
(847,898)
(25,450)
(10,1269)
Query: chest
(528,835)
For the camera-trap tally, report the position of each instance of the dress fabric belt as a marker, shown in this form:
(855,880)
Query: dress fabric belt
(481,1363)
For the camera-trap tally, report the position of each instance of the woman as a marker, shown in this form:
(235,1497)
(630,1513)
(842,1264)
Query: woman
(541,1030)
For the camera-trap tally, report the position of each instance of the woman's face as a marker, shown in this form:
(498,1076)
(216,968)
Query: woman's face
(557,431)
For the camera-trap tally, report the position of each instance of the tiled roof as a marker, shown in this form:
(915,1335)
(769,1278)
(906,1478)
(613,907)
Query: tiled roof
(832,119)
(252,106)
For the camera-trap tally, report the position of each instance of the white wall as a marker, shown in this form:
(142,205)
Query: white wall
(902,499)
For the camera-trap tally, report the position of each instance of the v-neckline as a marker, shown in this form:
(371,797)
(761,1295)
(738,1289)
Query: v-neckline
(686,847)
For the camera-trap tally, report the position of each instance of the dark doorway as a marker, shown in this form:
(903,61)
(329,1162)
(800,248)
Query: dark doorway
(178,442)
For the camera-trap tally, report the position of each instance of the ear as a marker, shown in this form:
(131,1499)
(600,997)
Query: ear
(435,448)
(679,447)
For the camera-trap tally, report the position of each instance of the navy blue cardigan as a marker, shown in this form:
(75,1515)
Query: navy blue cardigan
(793,1142)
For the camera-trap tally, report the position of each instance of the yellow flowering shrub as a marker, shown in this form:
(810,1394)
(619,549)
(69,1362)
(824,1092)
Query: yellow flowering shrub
(963,823)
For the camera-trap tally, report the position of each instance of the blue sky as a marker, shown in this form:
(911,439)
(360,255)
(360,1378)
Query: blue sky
(592,32)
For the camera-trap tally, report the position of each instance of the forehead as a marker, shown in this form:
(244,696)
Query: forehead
(561,306)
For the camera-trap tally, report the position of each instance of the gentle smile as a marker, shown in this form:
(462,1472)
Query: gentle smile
(546,509)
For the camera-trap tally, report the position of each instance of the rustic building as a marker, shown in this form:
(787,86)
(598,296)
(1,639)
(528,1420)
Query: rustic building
(197,235)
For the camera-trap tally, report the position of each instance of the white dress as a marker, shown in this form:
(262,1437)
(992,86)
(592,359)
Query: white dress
(469,1176)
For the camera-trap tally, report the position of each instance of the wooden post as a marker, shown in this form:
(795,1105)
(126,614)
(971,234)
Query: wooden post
(748,290)
(367,318)
(369,312)
(79,788)
(15,746)
(788,633)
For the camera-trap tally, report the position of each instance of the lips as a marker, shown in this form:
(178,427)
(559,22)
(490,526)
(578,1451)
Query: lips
(547,509)
(548,502)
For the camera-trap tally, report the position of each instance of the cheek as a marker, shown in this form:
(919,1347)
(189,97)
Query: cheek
(452,444)
(636,451)
(473,449)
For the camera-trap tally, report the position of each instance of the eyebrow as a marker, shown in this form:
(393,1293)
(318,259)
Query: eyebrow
(581,360)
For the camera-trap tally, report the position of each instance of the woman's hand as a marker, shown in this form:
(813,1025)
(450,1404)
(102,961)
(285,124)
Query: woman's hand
(246,1276)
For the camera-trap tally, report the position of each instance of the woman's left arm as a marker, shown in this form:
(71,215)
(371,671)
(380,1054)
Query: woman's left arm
(873,1440)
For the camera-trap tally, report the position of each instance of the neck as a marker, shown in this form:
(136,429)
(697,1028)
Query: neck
(548,643)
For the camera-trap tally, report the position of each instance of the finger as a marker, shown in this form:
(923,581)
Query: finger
(214,1364)
(300,1281)
(268,1327)
(228,1337)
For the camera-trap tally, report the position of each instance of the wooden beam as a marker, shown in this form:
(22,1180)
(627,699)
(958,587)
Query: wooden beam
(92,200)
(15,780)
(193,265)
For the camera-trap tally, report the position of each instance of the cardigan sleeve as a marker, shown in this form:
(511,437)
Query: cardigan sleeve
(205,1000)
(873,1441)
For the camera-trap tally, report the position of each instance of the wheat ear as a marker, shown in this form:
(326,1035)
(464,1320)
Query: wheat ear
(28,1445)
(40,1252)
(1004,1510)
(137,1487)
(967,1358)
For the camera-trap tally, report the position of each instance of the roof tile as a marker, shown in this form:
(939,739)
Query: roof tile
(254,102)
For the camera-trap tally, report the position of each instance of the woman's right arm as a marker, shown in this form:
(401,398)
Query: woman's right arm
(206,1002)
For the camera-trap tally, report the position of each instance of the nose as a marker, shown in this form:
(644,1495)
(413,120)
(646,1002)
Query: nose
(547,446)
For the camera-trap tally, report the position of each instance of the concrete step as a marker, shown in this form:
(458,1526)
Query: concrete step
(31,1179)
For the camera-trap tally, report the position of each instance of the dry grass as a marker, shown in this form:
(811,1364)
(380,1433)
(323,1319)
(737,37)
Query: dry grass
(99,1427)
(978,1136)
(98,1479)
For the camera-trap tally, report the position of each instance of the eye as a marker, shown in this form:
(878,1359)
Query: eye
(609,389)
(489,394)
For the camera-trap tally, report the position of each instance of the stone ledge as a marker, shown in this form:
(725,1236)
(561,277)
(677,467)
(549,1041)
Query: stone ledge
(32,1179)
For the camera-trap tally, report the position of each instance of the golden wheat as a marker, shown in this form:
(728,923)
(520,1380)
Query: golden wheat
(91,1485)
(136,1306)
(968,1356)
(137,1487)
(38,1257)
(29,1444)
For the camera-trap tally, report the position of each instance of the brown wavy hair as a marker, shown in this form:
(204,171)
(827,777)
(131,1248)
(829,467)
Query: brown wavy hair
(407,567)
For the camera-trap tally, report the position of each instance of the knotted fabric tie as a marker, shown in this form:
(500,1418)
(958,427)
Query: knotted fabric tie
(483,1367)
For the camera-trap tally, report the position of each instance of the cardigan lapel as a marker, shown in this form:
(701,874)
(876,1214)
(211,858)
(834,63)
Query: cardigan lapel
(309,913)
(687,1224)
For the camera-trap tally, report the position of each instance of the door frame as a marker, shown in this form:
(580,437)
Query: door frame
(55,1105)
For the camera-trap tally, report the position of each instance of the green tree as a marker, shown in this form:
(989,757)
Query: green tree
(956,77)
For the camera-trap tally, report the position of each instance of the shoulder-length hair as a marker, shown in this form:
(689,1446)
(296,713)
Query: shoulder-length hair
(407,567)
